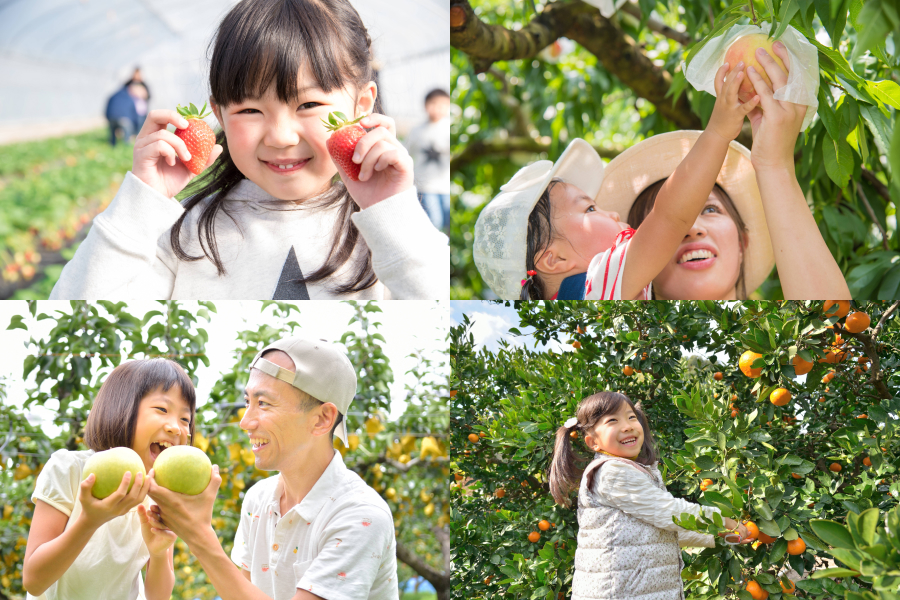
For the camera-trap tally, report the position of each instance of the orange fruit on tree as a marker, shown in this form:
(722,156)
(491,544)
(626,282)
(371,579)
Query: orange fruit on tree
(801,367)
(863,360)
(863,416)
(796,547)
(452,393)
(573,435)
(544,525)
(835,467)
(473,437)
(734,412)
(828,377)
(576,344)
(766,539)
(788,590)
(780,397)
(746,364)
(734,397)
(628,371)
(867,461)
(457,477)
(482,434)
(756,591)
(857,322)
(822,399)
(836,308)
(534,536)
(795,476)
(838,340)
(811,504)
(487,580)
(578,329)
(500,493)
(718,376)
(752,530)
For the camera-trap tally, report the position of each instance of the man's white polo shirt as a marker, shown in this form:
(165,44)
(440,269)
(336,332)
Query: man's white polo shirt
(338,543)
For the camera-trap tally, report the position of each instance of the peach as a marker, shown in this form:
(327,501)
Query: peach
(744,49)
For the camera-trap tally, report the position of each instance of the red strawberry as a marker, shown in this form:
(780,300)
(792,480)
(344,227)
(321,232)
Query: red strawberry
(345,135)
(198,137)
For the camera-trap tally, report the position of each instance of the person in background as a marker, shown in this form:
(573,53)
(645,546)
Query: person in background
(141,94)
(122,115)
(429,146)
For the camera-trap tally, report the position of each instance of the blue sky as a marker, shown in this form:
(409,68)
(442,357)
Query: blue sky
(492,323)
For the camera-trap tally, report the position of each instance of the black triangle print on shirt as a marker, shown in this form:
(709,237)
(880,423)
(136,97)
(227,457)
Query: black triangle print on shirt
(290,284)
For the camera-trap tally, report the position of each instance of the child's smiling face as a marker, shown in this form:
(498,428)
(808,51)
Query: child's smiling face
(708,261)
(163,416)
(613,429)
(580,224)
(264,133)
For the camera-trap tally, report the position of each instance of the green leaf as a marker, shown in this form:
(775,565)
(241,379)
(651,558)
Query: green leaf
(862,526)
(887,91)
(832,533)
(835,572)
(788,9)
(838,157)
(16,323)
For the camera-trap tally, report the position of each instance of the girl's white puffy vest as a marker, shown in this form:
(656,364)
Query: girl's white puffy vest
(619,556)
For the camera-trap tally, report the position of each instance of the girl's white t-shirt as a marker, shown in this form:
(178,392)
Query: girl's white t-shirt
(109,567)
(605,273)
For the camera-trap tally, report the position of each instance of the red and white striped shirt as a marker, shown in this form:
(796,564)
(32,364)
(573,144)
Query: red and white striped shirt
(606,271)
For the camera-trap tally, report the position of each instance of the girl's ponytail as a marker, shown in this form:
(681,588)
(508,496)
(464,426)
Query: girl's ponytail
(564,475)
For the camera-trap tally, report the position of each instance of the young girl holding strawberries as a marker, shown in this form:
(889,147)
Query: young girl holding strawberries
(271,219)
(628,546)
(80,547)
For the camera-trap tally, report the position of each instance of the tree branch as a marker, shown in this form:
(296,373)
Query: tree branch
(440,581)
(622,57)
(657,26)
(498,146)
(873,180)
(486,44)
(872,216)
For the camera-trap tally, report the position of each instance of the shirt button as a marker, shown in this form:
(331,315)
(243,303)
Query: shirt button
(274,546)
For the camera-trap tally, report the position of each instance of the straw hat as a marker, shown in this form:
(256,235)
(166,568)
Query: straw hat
(655,158)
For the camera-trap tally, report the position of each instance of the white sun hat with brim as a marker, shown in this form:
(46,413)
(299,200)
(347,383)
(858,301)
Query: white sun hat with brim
(502,228)
(655,158)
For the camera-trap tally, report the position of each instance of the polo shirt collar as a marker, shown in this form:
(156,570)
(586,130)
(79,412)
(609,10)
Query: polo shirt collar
(324,489)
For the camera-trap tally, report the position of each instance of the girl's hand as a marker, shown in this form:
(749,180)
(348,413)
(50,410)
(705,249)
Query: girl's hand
(742,530)
(157,537)
(386,168)
(97,512)
(157,149)
(776,123)
(728,113)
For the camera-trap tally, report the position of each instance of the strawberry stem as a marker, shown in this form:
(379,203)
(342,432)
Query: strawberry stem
(191,112)
(337,119)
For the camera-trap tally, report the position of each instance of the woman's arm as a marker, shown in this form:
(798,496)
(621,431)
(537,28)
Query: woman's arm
(796,238)
(685,192)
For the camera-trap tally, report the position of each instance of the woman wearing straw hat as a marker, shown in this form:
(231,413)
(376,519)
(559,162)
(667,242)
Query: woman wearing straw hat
(725,254)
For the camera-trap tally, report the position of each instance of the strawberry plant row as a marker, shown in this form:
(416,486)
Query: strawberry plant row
(29,157)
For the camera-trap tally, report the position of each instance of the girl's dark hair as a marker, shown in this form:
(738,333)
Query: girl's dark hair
(113,417)
(647,198)
(261,42)
(540,234)
(565,475)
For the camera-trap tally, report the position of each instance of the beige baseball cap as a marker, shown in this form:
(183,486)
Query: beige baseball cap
(322,370)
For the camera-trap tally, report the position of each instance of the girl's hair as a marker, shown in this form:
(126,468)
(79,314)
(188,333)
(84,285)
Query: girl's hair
(564,473)
(647,198)
(540,234)
(261,42)
(113,417)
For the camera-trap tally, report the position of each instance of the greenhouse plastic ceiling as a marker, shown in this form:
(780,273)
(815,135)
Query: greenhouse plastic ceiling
(63,58)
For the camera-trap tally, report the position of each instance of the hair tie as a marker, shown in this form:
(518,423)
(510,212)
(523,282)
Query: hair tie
(530,275)
(571,423)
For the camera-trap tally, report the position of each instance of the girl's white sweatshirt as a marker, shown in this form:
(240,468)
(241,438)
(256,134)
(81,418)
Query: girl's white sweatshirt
(128,254)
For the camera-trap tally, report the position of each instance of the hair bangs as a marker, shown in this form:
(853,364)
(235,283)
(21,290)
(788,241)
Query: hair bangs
(271,42)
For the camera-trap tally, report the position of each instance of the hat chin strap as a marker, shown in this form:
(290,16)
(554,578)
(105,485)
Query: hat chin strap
(270,368)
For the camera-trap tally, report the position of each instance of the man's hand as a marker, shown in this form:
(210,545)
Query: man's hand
(187,516)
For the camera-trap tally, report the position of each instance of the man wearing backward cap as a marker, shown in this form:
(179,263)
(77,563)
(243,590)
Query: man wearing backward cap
(315,529)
